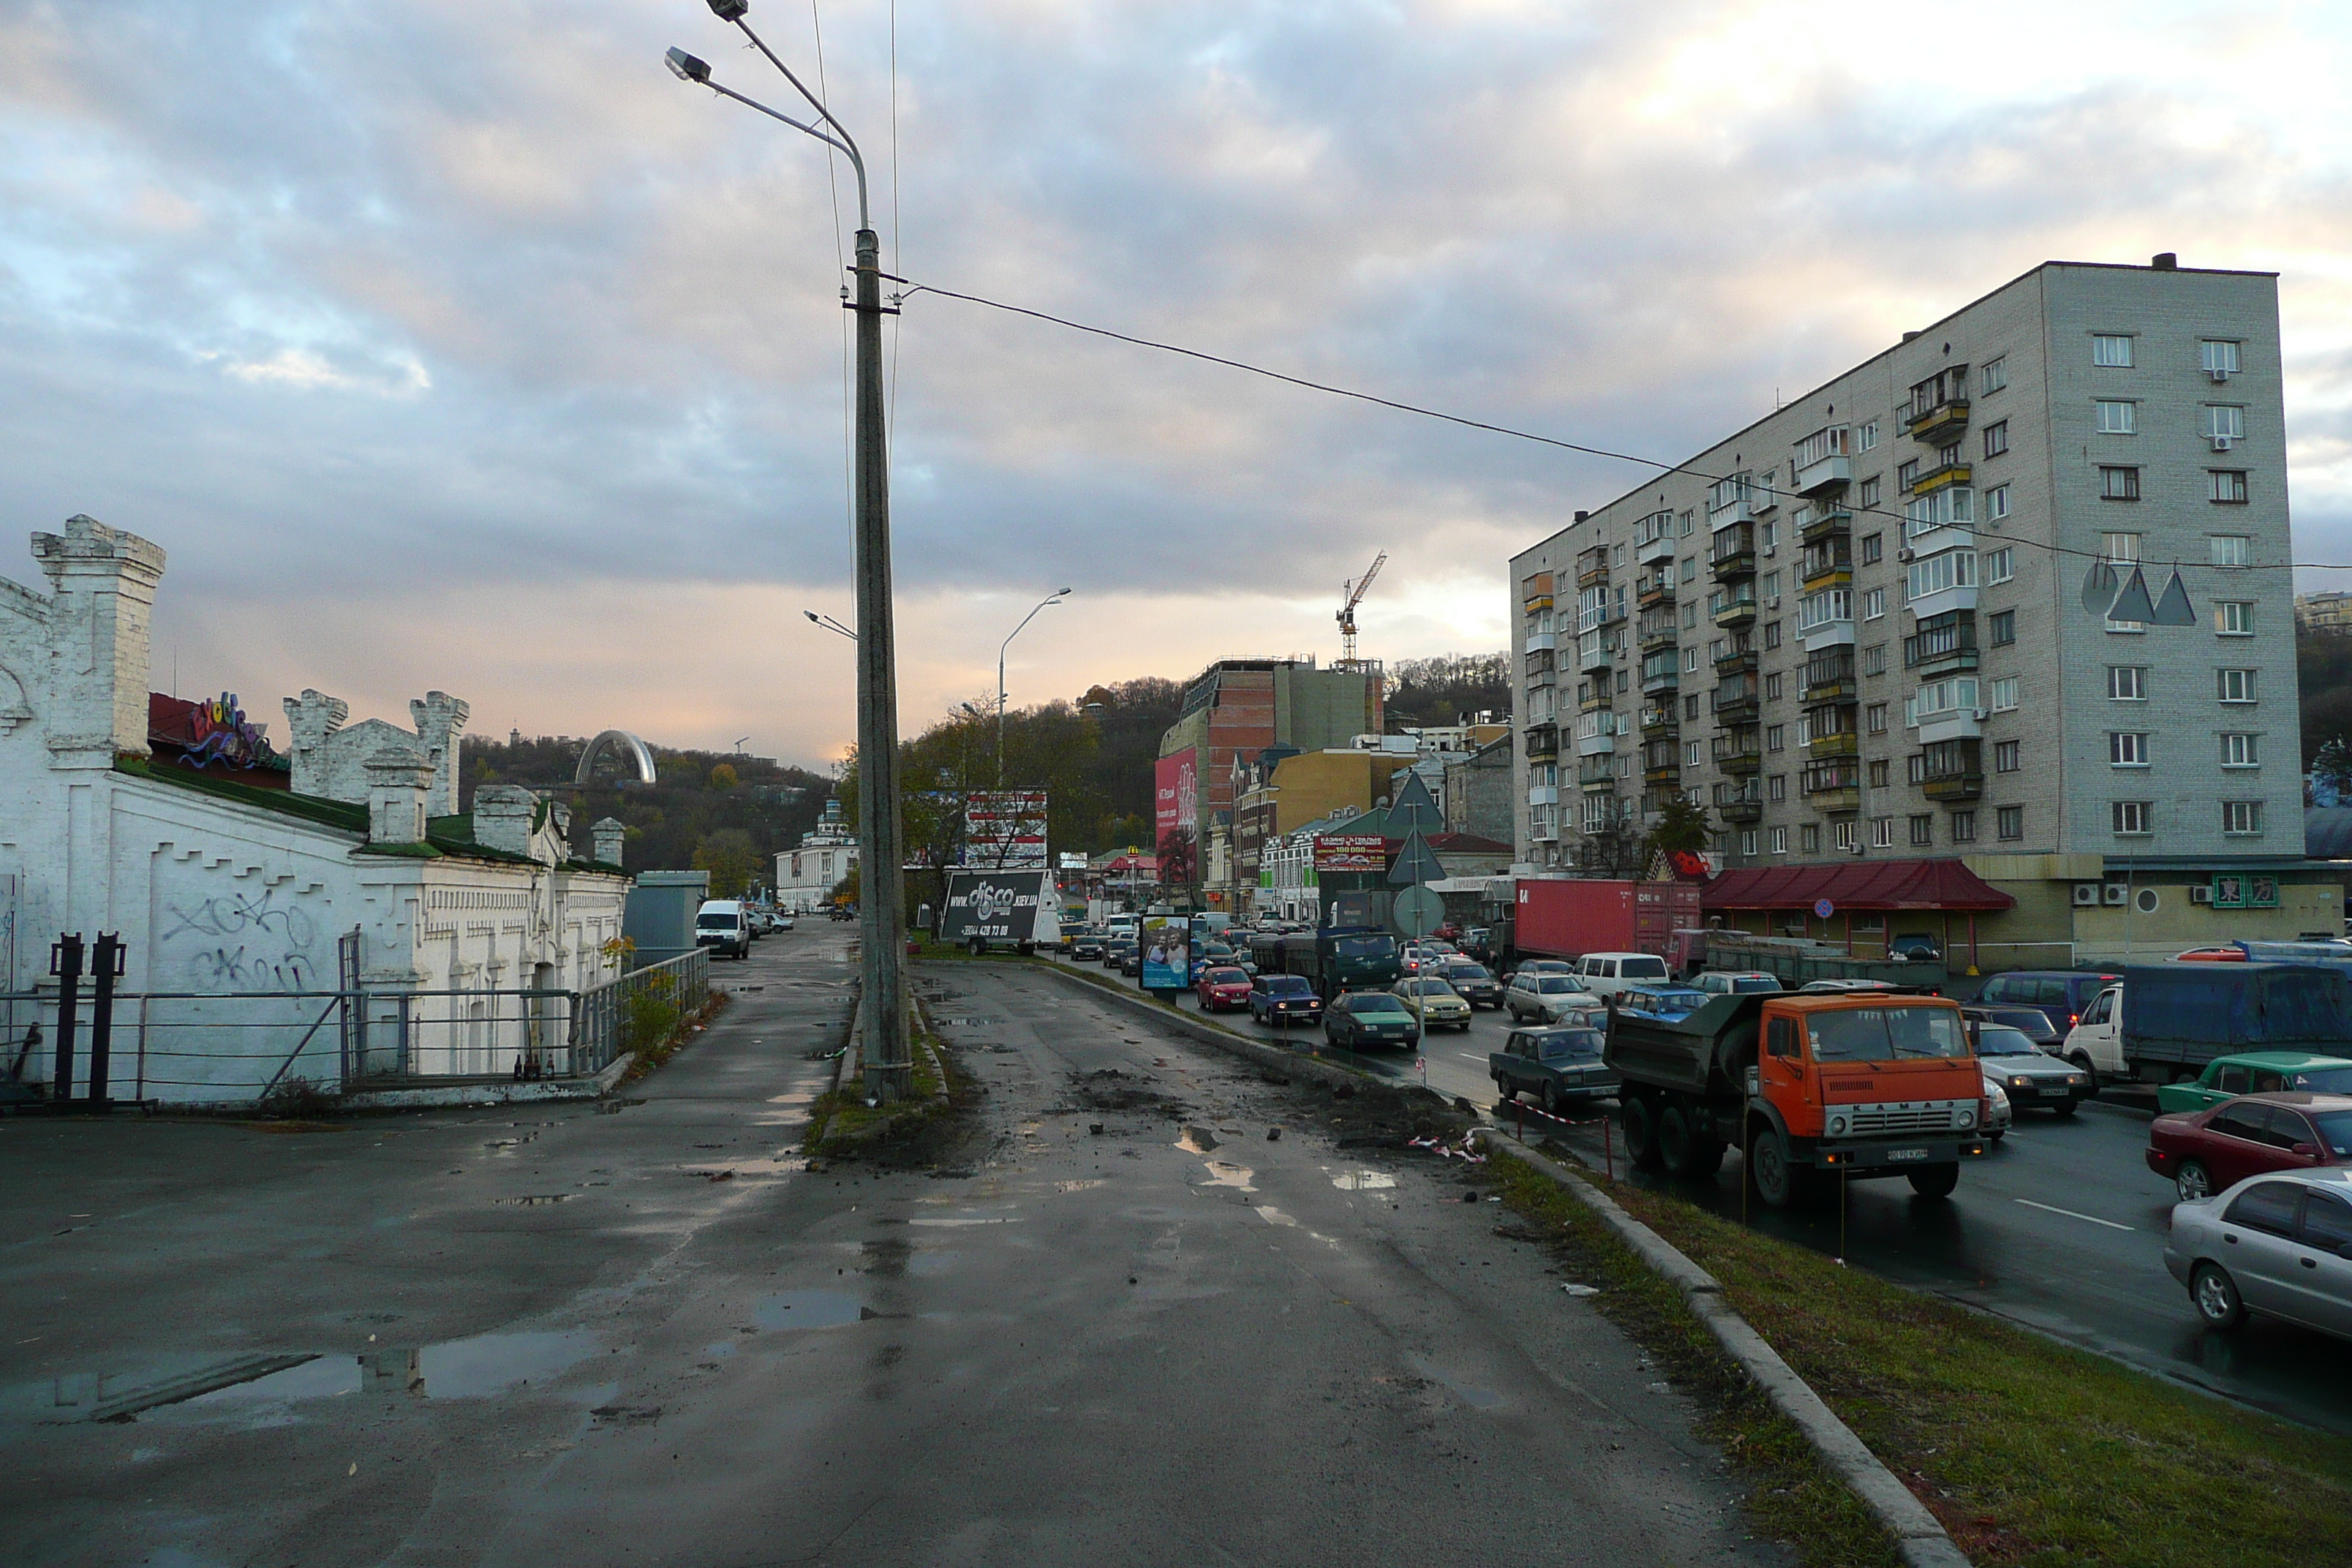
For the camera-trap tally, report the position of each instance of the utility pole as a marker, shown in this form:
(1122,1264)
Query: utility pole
(881,905)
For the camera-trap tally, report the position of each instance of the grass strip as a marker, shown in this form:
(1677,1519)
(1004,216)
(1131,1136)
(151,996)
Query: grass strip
(840,1121)
(2031,1452)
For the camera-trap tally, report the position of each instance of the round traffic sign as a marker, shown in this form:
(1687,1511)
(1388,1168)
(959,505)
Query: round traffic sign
(1823,908)
(1419,911)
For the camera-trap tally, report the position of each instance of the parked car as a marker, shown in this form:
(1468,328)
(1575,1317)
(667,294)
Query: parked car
(2280,1243)
(1735,982)
(1666,1002)
(1545,997)
(1841,987)
(1432,1001)
(1607,973)
(2257,1072)
(1560,1067)
(762,922)
(2032,1079)
(1477,986)
(724,926)
(1222,988)
(783,922)
(2061,993)
(1278,999)
(1917,947)
(1369,1018)
(2206,1152)
(2031,1022)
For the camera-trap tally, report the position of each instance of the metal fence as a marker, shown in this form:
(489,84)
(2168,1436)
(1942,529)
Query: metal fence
(209,1048)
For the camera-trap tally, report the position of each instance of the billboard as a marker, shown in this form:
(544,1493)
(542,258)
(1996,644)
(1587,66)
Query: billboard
(1350,852)
(1004,829)
(1167,954)
(995,906)
(1175,812)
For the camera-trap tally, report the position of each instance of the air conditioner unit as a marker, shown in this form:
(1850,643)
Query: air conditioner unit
(1979,715)
(2202,895)
(1771,551)
(2218,373)
(2087,895)
(2221,443)
(1773,603)
(1906,556)
(2117,895)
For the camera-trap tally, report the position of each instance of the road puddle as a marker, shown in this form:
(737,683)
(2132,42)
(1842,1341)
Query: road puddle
(1197,1140)
(808,1309)
(1362,1180)
(1273,1215)
(1222,1174)
(957,1222)
(1077,1186)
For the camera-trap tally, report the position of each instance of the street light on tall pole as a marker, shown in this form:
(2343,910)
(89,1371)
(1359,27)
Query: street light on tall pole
(1055,597)
(881,908)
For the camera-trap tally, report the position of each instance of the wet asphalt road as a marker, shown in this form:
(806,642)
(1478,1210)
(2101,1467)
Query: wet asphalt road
(524,1337)
(2061,1228)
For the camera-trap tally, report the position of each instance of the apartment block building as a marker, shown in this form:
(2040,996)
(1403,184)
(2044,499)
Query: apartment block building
(2014,591)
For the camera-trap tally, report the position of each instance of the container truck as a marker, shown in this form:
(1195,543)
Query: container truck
(1333,960)
(1858,1085)
(2166,1021)
(1568,917)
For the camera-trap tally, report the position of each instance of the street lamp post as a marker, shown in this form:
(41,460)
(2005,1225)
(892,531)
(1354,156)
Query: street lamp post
(1053,598)
(881,908)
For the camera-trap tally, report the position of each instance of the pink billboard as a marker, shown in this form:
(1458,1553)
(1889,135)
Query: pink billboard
(1175,808)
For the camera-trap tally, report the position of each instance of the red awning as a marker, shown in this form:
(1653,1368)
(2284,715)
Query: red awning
(1869,885)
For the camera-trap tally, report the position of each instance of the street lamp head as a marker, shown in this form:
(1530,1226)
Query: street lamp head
(686,68)
(812,617)
(729,10)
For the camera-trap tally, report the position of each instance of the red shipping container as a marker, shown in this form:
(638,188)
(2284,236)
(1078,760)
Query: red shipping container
(1562,917)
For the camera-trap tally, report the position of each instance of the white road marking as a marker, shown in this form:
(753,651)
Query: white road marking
(1470,1056)
(2070,1213)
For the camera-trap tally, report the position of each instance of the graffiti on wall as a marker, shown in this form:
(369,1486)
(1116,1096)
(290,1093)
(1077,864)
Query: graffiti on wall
(219,733)
(243,942)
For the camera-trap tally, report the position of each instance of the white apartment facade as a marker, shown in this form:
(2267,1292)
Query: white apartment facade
(1936,607)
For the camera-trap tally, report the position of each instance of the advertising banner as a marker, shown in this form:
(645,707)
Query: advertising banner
(1175,814)
(1167,953)
(1350,852)
(995,906)
(1004,829)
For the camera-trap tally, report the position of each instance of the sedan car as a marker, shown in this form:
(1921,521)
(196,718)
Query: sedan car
(1278,999)
(2032,1021)
(1560,1067)
(1472,981)
(2205,1151)
(1735,982)
(1130,960)
(1547,998)
(1222,988)
(2032,1078)
(1542,966)
(2257,1072)
(1670,1004)
(1086,946)
(2279,1244)
(1369,1018)
(1432,1001)
(1840,987)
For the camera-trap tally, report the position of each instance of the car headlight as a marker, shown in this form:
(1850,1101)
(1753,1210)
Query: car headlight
(1993,1093)
(1837,1126)
(1968,1115)
(2021,1083)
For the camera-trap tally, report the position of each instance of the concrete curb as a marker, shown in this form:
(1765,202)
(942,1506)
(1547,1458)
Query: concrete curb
(520,1092)
(1919,1538)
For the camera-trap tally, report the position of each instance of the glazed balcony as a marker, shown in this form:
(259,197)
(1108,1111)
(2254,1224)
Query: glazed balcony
(1733,556)
(1828,676)
(1953,770)
(1592,566)
(1944,644)
(1597,773)
(1656,682)
(1736,701)
(1735,609)
(1535,591)
(1650,592)
(1654,538)
(1828,521)
(1594,651)
(1543,741)
(1656,630)
(1827,563)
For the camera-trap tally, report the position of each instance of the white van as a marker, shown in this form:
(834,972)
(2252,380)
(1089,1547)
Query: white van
(724,925)
(1607,974)
(2096,1041)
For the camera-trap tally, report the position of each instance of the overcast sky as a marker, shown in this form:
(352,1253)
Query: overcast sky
(454,343)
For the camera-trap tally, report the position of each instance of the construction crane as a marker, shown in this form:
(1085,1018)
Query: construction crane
(1355,592)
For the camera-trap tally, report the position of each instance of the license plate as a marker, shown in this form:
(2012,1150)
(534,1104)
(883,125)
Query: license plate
(1907,1153)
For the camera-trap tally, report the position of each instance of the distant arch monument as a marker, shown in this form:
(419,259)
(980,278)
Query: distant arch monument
(621,744)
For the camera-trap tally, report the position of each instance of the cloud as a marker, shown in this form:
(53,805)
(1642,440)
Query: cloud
(461,324)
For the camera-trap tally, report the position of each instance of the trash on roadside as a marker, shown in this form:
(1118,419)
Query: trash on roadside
(1581,1289)
(1436,1145)
(1096,1128)
(1273,1134)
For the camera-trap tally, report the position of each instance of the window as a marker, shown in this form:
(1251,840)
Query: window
(1873,603)
(1768,535)
(2115,417)
(2242,817)
(2226,485)
(1957,694)
(1776,738)
(2004,756)
(1771,635)
(1690,661)
(2000,565)
(1907,474)
(2227,420)
(1779,841)
(1923,830)
(1772,688)
(1690,617)
(1748,842)
(1964,828)
(1874,717)
(2004,694)
(1916,768)
(1690,568)
(1772,586)
(1687,525)
(1870,489)
(2238,750)
(1619,560)
(2233,618)
(1690,706)
(1776,788)
(1881,832)
(1624,679)
(2231,549)
(1996,374)
(2118,484)
(2127,750)
(2130,817)
(2008,822)
(1692,753)
(1996,501)
(1809,838)
(1996,438)
(2111,351)
(1869,436)
(1878,773)
(1952,569)
(1873,548)
(1842,835)
(2119,547)
(2126,683)
(2002,625)
(2217,356)
(1873,659)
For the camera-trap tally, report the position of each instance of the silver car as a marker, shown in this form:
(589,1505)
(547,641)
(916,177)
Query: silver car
(1549,997)
(2032,1078)
(2279,1244)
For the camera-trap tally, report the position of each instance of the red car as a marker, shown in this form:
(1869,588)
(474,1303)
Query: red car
(1222,988)
(2207,1152)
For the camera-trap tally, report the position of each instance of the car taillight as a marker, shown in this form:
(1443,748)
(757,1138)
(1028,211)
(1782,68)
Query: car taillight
(2073,1019)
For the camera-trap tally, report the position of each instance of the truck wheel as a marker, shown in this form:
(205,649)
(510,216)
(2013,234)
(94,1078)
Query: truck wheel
(1640,1119)
(2082,1060)
(1780,1182)
(1936,1180)
(1674,1140)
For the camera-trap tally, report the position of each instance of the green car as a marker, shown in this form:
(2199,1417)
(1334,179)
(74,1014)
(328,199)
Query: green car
(2255,1072)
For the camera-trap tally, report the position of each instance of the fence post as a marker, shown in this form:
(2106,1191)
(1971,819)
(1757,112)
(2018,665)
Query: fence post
(106,966)
(65,963)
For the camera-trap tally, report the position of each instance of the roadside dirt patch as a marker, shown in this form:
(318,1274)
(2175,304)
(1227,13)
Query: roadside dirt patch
(1115,1088)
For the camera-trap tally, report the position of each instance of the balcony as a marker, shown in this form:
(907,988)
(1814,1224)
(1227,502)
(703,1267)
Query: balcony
(1542,642)
(1600,744)
(1535,591)
(1944,644)
(1661,717)
(1827,521)
(1733,553)
(1594,651)
(1651,592)
(1592,567)
(1543,740)
(1543,795)
(1539,678)
(1735,704)
(1738,754)
(1745,812)
(1544,829)
(1657,630)
(1828,565)
(1653,682)
(1597,773)
(1953,786)
(1939,422)
(1828,676)
(1953,770)
(1664,773)
(1736,660)
(1826,473)
(1736,609)
(1654,538)
(1927,482)
(1596,696)
(1841,744)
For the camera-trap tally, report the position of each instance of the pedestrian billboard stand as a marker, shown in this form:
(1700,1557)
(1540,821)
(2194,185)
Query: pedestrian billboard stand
(1167,953)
